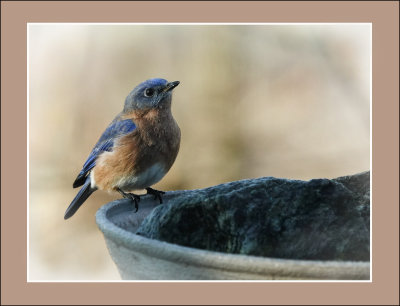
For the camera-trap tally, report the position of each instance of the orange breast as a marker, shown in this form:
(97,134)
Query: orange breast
(153,146)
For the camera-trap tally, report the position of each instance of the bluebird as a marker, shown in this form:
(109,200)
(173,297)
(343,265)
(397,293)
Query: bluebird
(136,150)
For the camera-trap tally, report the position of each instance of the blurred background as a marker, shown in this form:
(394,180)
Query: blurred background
(290,101)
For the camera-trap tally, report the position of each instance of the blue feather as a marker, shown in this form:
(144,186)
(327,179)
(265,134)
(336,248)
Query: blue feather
(154,82)
(116,129)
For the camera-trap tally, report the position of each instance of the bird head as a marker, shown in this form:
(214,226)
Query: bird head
(153,93)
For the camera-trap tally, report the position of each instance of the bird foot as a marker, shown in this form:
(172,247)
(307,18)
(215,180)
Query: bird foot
(157,193)
(134,197)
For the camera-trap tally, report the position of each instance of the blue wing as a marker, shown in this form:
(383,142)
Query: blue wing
(116,129)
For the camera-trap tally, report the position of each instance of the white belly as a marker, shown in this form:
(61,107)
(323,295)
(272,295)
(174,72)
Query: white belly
(143,180)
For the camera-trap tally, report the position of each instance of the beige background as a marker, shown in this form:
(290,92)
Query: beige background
(388,114)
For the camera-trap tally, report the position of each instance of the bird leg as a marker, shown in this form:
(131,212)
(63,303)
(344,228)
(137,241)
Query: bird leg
(134,197)
(157,193)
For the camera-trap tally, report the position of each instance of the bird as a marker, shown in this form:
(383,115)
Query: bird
(137,148)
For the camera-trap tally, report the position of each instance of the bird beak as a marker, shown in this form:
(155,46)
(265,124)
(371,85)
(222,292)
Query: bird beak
(170,86)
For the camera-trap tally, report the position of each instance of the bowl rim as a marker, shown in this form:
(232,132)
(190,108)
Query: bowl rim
(240,263)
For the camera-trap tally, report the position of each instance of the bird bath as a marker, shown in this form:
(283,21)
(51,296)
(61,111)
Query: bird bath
(140,258)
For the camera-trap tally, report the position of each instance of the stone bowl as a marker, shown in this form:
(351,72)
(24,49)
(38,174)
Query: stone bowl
(140,258)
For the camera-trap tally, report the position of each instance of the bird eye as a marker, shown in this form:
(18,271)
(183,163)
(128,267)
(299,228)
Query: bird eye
(149,92)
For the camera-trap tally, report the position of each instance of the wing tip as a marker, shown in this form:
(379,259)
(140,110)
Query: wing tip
(79,181)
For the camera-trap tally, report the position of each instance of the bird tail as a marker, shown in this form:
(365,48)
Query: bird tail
(79,199)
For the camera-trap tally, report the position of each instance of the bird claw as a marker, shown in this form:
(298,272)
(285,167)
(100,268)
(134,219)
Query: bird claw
(157,193)
(134,197)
